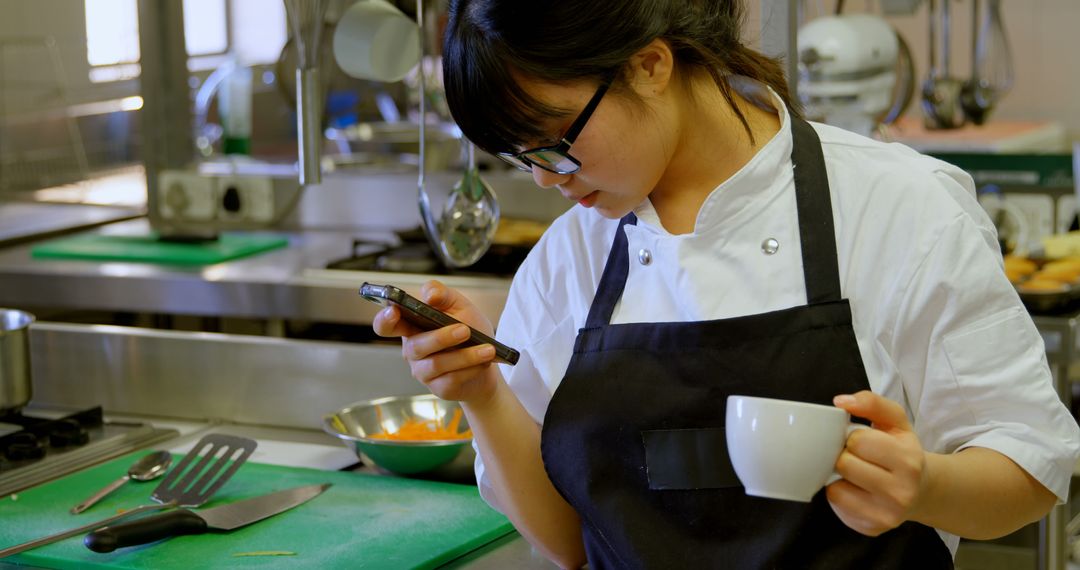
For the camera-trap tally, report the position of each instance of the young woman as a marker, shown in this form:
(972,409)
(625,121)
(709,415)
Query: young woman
(722,245)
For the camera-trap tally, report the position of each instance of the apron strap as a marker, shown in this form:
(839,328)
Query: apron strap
(820,267)
(613,279)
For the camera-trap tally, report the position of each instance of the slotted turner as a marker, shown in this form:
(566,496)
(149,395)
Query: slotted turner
(208,466)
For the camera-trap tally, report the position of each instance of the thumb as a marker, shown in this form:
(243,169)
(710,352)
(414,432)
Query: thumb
(882,412)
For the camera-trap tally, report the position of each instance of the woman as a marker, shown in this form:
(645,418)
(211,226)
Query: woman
(725,246)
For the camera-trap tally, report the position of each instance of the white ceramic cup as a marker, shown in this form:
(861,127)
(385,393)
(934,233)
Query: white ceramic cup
(782,449)
(374,40)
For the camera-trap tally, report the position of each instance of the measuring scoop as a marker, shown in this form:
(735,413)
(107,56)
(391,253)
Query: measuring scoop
(191,483)
(149,467)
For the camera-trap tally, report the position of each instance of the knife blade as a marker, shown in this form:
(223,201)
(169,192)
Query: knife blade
(183,521)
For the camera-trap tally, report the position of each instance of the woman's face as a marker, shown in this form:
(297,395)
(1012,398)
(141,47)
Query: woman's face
(623,149)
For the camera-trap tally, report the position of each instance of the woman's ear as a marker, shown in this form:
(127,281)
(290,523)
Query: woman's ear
(652,68)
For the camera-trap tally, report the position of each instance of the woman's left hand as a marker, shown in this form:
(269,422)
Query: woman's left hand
(883,469)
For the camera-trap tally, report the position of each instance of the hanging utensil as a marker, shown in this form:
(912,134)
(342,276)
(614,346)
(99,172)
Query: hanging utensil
(991,62)
(470,215)
(306,24)
(148,467)
(941,91)
(182,521)
(218,455)
(466,227)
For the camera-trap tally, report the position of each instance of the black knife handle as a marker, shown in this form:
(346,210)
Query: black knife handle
(144,530)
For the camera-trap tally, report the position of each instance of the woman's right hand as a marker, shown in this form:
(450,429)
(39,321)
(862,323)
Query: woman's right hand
(464,374)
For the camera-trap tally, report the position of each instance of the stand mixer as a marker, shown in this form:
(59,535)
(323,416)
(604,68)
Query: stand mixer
(848,71)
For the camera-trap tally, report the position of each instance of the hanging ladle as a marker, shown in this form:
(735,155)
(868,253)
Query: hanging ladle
(467,225)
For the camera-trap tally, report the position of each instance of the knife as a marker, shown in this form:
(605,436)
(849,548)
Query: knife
(182,521)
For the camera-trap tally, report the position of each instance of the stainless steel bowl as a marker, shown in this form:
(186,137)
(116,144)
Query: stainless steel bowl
(356,424)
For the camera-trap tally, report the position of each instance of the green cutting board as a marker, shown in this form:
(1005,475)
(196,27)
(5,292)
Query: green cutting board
(362,521)
(148,248)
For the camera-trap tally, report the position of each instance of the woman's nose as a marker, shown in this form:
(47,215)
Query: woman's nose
(546,179)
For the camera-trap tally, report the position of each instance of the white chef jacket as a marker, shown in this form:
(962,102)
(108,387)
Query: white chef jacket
(940,329)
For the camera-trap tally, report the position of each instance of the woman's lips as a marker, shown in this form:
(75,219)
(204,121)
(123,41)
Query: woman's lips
(590,199)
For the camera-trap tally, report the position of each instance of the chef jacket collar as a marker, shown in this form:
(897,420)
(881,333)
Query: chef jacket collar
(766,174)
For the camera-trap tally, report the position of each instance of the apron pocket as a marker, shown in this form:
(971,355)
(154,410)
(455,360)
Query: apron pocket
(688,459)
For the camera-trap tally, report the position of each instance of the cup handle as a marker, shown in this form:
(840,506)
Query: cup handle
(851,428)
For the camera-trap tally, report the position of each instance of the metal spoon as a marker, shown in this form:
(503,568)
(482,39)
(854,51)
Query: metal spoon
(470,215)
(148,467)
(467,225)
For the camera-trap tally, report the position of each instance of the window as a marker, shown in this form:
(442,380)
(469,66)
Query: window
(206,30)
(112,39)
(253,30)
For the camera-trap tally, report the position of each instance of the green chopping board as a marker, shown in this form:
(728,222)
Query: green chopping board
(147,248)
(362,521)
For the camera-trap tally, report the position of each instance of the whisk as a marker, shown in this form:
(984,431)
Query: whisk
(306,24)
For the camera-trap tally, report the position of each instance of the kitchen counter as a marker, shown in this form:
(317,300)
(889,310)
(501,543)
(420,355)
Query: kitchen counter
(288,283)
(195,383)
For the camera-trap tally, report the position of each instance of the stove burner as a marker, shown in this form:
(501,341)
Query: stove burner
(22,446)
(38,434)
(68,433)
(501,260)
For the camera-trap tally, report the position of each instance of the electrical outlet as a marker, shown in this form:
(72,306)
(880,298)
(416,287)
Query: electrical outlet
(247,198)
(184,195)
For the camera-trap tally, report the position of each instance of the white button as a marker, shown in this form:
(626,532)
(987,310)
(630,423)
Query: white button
(770,246)
(644,256)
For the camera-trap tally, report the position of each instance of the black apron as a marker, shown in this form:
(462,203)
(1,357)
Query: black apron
(634,436)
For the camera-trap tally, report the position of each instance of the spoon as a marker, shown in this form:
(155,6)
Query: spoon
(470,215)
(467,225)
(148,467)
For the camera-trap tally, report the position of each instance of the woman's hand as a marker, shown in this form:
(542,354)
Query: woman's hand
(883,469)
(451,374)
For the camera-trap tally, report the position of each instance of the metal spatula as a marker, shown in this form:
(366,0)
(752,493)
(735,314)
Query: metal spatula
(200,473)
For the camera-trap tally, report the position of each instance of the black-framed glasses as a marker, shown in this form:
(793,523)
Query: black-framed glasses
(556,158)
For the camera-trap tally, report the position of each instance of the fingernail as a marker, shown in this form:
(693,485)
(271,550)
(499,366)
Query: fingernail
(843,400)
(460,332)
(487,351)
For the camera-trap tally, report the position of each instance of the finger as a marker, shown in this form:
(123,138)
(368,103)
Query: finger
(850,503)
(864,474)
(388,323)
(884,413)
(421,345)
(451,361)
(436,294)
(442,297)
(880,448)
(459,384)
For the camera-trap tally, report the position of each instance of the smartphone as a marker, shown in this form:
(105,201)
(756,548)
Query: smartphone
(429,318)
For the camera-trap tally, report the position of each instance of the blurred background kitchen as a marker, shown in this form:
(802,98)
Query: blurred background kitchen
(192,191)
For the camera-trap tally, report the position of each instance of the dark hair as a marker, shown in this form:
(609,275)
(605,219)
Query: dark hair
(491,44)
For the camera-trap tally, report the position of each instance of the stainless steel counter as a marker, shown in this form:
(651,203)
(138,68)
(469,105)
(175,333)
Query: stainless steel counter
(288,283)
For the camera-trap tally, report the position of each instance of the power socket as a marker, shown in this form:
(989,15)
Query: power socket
(184,195)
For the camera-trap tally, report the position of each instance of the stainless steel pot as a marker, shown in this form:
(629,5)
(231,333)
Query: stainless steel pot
(14,358)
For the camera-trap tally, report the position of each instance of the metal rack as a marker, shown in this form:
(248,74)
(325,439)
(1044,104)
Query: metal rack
(1059,333)
(28,167)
